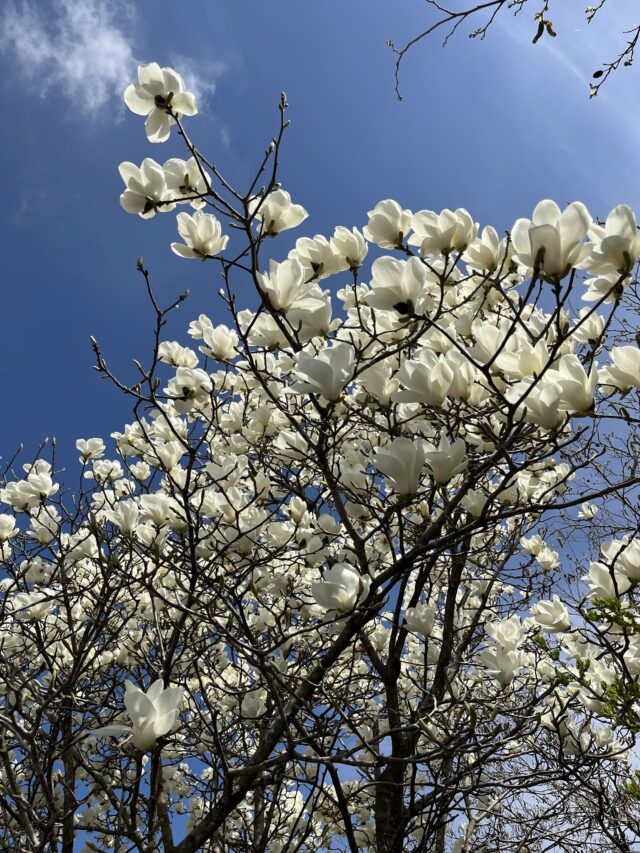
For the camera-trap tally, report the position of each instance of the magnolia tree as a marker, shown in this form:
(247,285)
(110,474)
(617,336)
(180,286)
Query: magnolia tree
(480,16)
(362,572)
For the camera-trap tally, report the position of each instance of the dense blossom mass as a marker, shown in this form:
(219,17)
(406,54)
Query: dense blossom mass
(309,597)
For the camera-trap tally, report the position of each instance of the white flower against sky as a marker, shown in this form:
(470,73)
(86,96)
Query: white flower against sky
(624,371)
(552,616)
(202,235)
(448,231)
(402,462)
(605,288)
(153,714)
(341,588)
(552,240)
(447,460)
(277,212)
(616,245)
(317,256)
(90,448)
(388,224)
(185,179)
(159,91)
(349,248)
(146,189)
(325,374)
(397,285)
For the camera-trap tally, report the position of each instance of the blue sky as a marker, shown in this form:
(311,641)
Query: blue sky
(491,126)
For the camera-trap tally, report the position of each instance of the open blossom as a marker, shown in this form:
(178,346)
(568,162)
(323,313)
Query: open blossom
(616,245)
(552,240)
(605,288)
(26,494)
(146,188)
(552,616)
(317,256)
(397,285)
(341,588)
(577,385)
(277,212)
(221,342)
(388,224)
(624,371)
(8,527)
(588,511)
(185,178)
(349,248)
(420,618)
(426,379)
(191,387)
(153,714)
(488,253)
(327,373)
(447,460)
(90,448)
(202,234)
(159,91)
(402,462)
(448,231)
(285,285)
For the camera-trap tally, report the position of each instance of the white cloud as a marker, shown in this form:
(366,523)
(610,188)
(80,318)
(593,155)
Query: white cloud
(202,77)
(82,50)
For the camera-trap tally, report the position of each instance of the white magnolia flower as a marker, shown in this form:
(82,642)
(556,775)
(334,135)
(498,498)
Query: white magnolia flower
(388,224)
(277,212)
(605,288)
(8,527)
(577,386)
(552,240)
(202,234)
(420,618)
(159,90)
(397,285)
(426,379)
(153,714)
(402,462)
(349,248)
(327,373)
(146,188)
(90,448)
(445,232)
(552,616)
(185,178)
(548,559)
(588,511)
(190,387)
(616,245)
(502,665)
(624,371)
(253,704)
(589,328)
(285,285)
(447,460)
(539,402)
(341,588)
(488,253)
(173,353)
(317,256)
(26,494)
(507,634)
(221,342)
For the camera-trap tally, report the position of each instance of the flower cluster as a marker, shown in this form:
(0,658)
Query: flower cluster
(329,527)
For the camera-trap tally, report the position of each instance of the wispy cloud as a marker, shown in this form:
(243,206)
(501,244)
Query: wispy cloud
(80,49)
(202,77)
